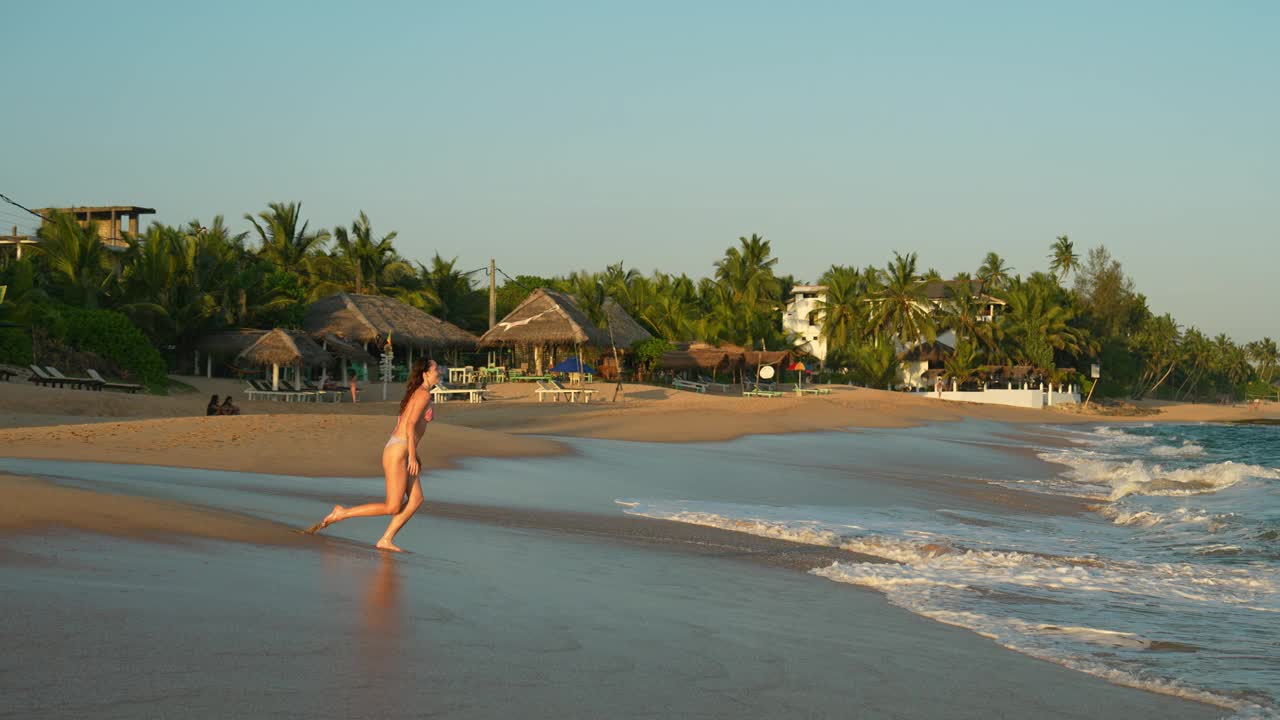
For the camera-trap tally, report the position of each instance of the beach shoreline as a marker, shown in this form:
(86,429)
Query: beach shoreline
(310,439)
(319,442)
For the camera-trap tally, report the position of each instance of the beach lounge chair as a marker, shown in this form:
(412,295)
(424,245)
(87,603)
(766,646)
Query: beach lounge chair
(722,387)
(108,385)
(761,393)
(799,390)
(751,381)
(682,384)
(86,383)
(261,389)
(575,393)
(42,378)
(6,374)
(299,393)
(442,393)
(321,393)
(554,389)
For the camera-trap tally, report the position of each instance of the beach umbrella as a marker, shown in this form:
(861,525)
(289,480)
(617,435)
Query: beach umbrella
(799,368)
(572,365)
(278,347)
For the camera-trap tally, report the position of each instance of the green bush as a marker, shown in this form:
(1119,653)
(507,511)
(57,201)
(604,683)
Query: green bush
(114,337)
(648,353)
(15,346)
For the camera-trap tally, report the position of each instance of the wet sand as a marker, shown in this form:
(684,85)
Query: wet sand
(501,612)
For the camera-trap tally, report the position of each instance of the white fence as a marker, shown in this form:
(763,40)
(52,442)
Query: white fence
(1025,397)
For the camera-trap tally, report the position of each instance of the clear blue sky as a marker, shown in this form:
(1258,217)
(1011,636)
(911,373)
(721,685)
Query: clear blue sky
(562,136)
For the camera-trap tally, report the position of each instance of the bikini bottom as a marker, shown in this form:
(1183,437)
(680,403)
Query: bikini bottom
(394,439)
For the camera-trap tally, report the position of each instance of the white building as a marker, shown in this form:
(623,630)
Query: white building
(802,320)
(803,317)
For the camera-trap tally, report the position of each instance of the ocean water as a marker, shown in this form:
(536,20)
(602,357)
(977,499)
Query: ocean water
(1168,581)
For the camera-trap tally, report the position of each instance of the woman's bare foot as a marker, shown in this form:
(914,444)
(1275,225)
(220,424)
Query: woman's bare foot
(385,544)
(332,517)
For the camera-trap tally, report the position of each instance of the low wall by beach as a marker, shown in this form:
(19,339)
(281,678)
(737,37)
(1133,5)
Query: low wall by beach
(1029,398)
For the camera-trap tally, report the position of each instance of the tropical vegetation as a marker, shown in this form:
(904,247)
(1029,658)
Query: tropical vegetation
(175,284)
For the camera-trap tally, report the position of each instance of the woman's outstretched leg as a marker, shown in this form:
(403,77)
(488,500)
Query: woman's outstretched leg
(397,474)
(410,507)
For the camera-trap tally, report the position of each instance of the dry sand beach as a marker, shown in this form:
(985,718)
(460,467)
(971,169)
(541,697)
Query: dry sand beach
(345,439)
(506,610)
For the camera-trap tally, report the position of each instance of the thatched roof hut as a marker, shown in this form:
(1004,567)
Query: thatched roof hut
(345,350)
(933,352)
(371,318)
(229,343)
(279,347)
(753,358)
(695,356)
(624,328)
(546,317)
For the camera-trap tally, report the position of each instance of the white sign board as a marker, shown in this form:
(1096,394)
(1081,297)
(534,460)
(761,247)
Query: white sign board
(1095,371)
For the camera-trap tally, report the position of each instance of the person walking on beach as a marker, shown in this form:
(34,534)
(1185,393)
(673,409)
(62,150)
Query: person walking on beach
(351,384)
(400,462)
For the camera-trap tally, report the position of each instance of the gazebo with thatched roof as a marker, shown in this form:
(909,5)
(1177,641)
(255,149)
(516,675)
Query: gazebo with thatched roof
(278,347)
(365,319)
(552,318)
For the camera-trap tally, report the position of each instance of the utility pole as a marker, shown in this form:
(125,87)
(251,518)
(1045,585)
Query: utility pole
(493,295)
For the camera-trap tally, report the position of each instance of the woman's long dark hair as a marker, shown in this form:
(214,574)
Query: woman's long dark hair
(420,366)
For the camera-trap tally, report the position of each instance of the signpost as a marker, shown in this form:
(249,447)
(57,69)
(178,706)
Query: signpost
(385,365)
(1095,372)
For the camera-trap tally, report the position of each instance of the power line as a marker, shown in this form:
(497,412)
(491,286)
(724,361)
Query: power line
(510,279)
(21,206)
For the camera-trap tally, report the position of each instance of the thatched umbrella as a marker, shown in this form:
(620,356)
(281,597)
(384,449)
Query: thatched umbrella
(278,348)
(368,319)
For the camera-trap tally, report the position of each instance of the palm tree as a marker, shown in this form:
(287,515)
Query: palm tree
(372,263)
(1035,326)
(589,290)
(1157,343)
(746,272)
(1063,258)
(447,293)
(962,312)
(283,241)
(994,273)
(1265,358)
(900,309)
(963,363)
(874,363)
(77,259)
(1195,355)
(844,309)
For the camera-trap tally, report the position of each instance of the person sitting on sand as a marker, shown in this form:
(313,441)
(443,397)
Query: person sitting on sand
(400,462)
(228,408)
(213,406)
